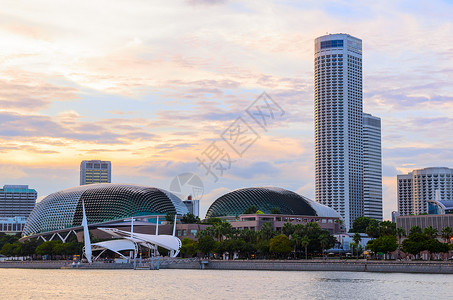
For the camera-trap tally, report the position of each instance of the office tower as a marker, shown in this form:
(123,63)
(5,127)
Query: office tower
(339,124)
(420,186)
(16,203)
(193,206)
(372,167)
(95,171)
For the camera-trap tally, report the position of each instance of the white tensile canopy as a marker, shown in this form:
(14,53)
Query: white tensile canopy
(168,242)
(115,246)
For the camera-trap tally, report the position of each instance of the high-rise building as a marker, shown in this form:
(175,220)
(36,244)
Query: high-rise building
(95,171)
(420,186)
(339,124)
(193,206)
(372,167)
(16,203)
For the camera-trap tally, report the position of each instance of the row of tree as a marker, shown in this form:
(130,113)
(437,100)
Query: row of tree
(388,238)
(11,247)
(221,237)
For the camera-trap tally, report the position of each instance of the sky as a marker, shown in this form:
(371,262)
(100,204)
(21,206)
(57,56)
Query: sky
(157,87)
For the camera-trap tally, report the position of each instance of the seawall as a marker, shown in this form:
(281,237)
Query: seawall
(425,267)
(322,265)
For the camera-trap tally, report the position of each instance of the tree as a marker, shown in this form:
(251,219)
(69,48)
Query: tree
(280,244)
(170,218)
(251,210)
(415,229)
(387,228)
(385,244)
(276,211)
(288,229)
(188,247)
(361,223)
(324,241)
(190,219)
(400,233)
(372,231)
(206,244)
(357,238)
(266,232)
(47,248)
(304,243)
(415,243)
(430,232)
(447,233)
(213,221)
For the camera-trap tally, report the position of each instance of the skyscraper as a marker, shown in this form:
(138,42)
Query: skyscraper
(420,186)
(16,203)
(339,124)
(372,167)
(95,171)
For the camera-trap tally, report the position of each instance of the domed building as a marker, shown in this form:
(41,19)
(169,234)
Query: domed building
(291,207)
(105,202)
(266,199)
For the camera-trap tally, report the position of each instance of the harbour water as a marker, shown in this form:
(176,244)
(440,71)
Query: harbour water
(219,284)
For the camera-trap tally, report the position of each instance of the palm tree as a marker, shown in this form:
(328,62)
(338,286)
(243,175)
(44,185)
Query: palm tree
(447,233)
(430,232)
(305,241)
(357,238)
(399,234)
(266,232)
(324,241)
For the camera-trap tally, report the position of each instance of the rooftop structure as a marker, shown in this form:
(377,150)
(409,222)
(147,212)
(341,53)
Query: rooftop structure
(95,171)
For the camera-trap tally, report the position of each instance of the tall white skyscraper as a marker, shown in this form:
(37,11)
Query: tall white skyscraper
(420,186)
(372,167)
(95,171)
(339,124)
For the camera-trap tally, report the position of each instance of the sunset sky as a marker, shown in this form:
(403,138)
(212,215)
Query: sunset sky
(149,85)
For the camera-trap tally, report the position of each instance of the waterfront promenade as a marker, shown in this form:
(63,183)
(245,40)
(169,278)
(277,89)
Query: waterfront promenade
(429,267)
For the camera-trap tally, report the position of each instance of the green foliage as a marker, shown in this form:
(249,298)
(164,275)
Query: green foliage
(190,219)
(430,232)
(276,211)
(170,217)
(415,229)
(415,243)
(361,223)
(188,247)
(280,244)
(387,228)
(288,229)
(213,221)
(385,244)
(163,251)
(446,234)
(206,244)
(251,210)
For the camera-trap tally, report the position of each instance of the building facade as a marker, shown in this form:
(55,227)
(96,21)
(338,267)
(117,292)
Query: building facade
(339,124)
(372,167)
(438,222)
(193,206)
(95,171)
(255,222)
(16,204)
(418,187)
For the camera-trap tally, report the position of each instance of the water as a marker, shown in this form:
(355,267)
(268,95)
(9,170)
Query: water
(213,284)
